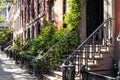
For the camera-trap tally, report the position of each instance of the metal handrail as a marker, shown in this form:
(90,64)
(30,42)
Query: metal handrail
(7,44)
(35,58)
(100,76)
(52,46)
(74,52)
(87,50)
(56,43)
(39,59)
(64,36)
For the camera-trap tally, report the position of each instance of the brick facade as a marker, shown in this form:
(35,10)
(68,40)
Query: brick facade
(15,18)
(26,16)
(117,30)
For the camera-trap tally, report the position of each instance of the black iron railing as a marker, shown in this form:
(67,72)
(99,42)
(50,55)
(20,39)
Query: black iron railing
(6,45)
(35,65)
(73,65)
(95,76)
(118,77)
(87,50)
(45,59)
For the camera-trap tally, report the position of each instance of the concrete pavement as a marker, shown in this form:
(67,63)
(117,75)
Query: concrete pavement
(10,71)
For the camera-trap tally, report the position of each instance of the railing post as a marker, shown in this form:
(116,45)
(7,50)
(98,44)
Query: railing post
(118,77)
(16,57)
(1,48)
(68,72)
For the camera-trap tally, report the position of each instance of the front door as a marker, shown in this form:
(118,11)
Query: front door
(94,15)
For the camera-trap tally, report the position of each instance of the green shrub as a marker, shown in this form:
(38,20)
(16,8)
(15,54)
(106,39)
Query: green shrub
(42,43)
(72,16)
(5,36)
(48,37)
(70,42)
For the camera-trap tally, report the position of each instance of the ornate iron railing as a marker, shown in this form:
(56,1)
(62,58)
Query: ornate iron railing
(87,50)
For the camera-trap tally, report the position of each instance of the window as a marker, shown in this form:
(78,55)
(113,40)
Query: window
(22,17)
(39,28)
(64,11)
(28,12)
(24,34)
(51,11)
(64,6)
(28,33)
(25,14)
(33,12)
(32,31)
(38,8)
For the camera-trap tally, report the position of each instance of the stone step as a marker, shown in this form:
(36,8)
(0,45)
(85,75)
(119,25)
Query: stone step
(98,60)
(95,50)
(57,74)
(48,77)
(54,76)
(90,64)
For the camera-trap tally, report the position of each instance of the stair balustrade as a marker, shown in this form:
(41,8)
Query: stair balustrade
(78,62)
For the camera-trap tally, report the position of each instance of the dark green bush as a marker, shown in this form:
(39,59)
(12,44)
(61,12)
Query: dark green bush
(5,36)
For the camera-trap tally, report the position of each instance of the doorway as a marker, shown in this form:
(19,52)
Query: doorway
(94,15)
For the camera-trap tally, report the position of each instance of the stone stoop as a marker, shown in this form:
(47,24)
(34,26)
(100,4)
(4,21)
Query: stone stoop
(101,62)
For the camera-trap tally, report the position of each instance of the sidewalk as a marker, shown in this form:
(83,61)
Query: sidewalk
(10,71)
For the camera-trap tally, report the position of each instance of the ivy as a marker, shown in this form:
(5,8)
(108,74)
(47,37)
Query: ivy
(72,16)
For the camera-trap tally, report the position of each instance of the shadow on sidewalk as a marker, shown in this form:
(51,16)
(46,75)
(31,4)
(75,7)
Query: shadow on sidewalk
(9,70)
(4,75)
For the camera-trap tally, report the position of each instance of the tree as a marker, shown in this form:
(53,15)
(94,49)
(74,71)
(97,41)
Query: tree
(1,19)
(5,33)
(2,4)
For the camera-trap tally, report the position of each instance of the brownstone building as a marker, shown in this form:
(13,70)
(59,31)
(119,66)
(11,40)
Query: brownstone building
(27,15)
(26,18)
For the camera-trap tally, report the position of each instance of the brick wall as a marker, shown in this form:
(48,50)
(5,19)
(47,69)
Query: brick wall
(58,13)
(25,15)
(117,30)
